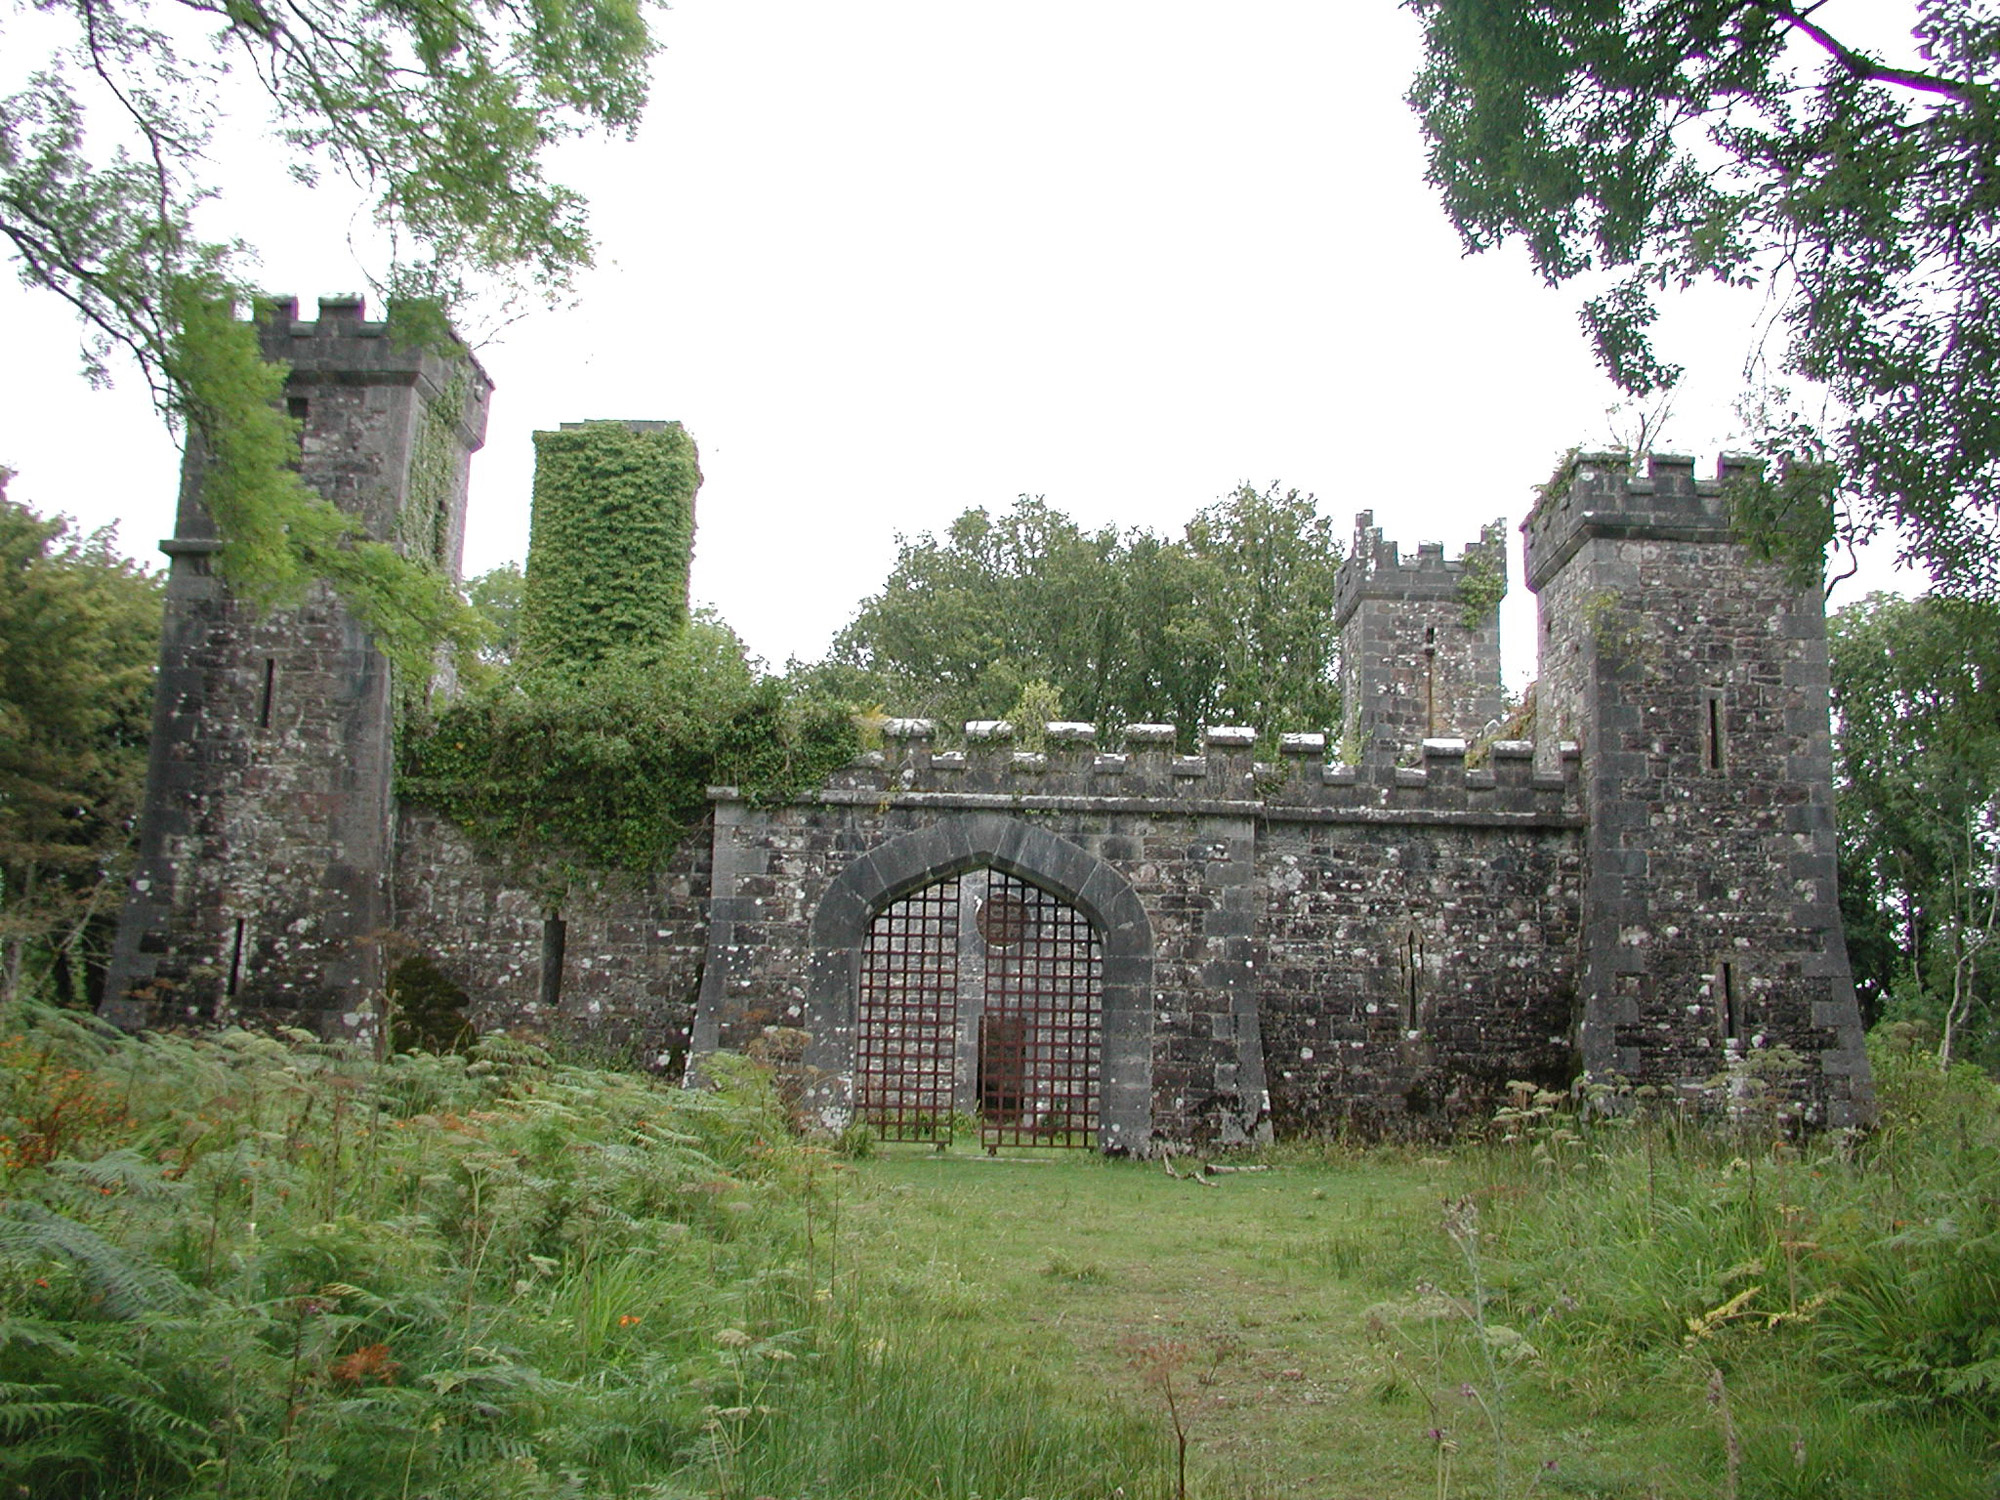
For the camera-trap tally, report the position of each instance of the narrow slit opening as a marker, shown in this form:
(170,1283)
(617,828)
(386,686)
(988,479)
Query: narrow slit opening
(1715,732)
(235,961)
(270,686)
(1729,1003)
(555,934)
(1413,962)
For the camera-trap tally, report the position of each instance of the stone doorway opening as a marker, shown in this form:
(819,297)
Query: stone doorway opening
(981,994)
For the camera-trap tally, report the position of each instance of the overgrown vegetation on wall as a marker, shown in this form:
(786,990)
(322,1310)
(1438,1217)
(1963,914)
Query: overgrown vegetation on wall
(613,536)
(566,771)
(593,746)
(436,455)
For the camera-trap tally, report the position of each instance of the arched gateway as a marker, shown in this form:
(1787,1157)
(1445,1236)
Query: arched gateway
(984,964)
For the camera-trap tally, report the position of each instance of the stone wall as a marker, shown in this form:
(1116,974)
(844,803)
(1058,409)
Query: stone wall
(1408,973)
(629,959)
(1277,900)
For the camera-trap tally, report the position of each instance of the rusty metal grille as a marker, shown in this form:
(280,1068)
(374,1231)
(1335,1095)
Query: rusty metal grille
(908,1017)
(1039,1032)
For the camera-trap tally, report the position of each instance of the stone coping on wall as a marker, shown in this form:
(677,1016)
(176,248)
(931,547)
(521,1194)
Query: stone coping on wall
(1434,783)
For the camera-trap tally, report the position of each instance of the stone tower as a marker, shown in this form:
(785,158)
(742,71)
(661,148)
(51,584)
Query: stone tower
(266,842)
(1419,638)
(1695,680)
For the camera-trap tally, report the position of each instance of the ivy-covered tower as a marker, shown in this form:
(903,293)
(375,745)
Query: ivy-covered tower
(1694,678)
(612,541)
(265,840)
(1419,638)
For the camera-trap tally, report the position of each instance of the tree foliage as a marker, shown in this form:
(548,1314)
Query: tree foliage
(495,597)
(1226,624)
(1652,144)
(444,114)
(1917,691)
(79,631)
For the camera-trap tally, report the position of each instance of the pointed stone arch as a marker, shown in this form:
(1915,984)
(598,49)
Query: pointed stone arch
(1064,869)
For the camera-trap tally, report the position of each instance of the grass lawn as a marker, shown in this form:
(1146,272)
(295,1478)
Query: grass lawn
(1310,1318)
(1313,1321)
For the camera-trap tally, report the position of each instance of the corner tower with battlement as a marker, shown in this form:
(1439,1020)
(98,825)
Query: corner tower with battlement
(1694,679)
(263,882)
(1419,639)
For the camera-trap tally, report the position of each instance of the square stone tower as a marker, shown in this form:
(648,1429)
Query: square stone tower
(1419,639)
(1694,677)
(265,840)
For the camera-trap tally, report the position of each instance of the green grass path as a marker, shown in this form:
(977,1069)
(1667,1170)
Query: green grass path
(1260,1293)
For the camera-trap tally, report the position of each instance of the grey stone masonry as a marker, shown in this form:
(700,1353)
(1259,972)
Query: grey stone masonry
(1419,637)
(1695,680)
(1381,935)
(266,839)
(1260,920)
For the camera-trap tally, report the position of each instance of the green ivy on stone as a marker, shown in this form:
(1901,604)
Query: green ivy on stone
(613,535)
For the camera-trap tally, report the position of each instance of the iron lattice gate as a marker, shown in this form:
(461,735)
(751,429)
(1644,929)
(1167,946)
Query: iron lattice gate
(981,992)
(906,1042)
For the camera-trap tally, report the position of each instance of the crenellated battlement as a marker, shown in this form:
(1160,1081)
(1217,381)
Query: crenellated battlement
(1139,768)
(1601,496)
(340,316)
(344,346)
(1376,569)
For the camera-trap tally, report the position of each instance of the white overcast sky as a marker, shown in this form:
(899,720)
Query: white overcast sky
(891,260)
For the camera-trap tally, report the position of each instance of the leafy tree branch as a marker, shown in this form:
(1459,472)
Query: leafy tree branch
(442,111)
(1647,145)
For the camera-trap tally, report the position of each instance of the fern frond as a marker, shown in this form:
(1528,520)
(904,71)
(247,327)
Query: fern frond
(126,1284)
(24,1408)
(123,1171)
(33,1333)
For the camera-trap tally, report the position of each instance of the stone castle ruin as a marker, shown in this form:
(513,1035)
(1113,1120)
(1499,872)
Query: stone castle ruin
(1103,941)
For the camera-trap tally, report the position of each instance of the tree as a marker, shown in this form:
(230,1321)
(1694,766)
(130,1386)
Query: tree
(444,113)
(79,632)
(1273,560)
(967,620)
(495,596)
(1916,686)
(1229,624)
(1657,143)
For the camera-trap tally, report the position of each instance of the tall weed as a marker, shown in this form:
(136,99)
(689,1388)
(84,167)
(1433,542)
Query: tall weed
(1847,1286)
(252,1266)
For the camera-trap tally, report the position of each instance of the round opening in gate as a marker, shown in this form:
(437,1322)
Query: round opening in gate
(1004,919)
